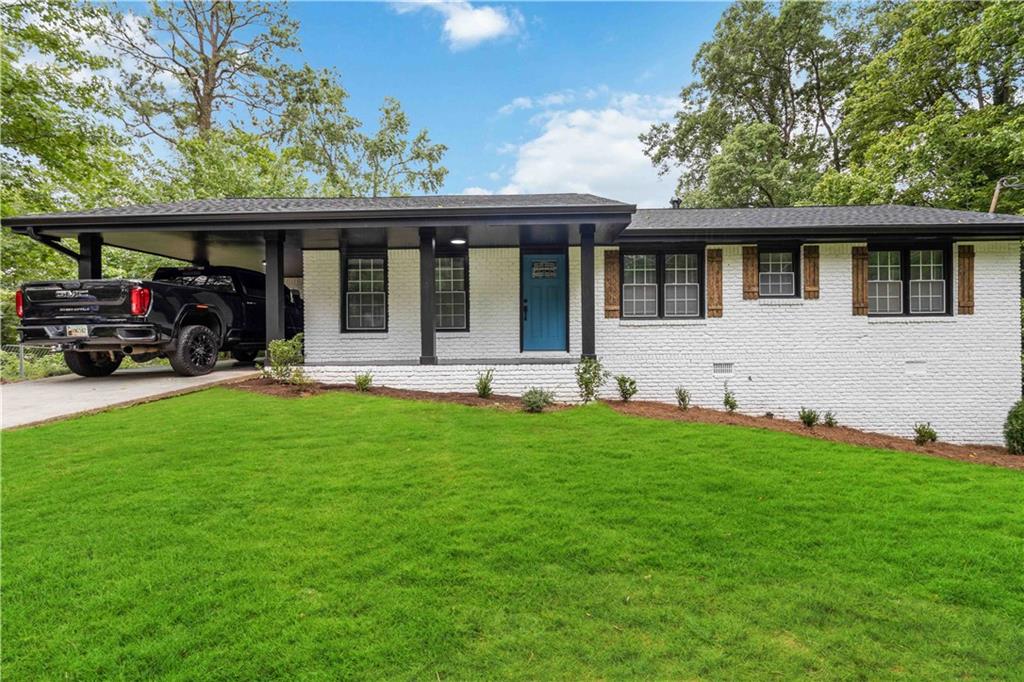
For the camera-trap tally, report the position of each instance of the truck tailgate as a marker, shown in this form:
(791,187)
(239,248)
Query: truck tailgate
(77,300)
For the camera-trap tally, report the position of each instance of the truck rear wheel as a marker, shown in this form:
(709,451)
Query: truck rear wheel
(86,364)
(196,352)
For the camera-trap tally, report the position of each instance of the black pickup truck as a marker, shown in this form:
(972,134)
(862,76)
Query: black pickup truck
(188,315)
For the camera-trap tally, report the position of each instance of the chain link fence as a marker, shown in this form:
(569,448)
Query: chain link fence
(18,362)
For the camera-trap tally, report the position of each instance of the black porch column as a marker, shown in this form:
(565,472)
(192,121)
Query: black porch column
(274,261)
(428,342)
(587,289)
(90,256)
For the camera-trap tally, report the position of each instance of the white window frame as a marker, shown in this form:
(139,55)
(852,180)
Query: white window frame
(690,290)
(775,270)
(646,286)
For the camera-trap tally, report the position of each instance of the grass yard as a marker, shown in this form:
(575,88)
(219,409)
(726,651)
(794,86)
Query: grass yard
(226,534)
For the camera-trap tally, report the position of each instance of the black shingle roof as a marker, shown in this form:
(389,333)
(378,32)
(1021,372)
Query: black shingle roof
(331,205)
(882,215)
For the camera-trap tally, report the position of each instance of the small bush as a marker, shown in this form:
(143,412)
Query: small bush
(590,377)
(924,433)
(830,419)
(769,415)
(284,358)
(683,398)
(536,399)
(1013,429)
(729,400)
(364,381)
(627,387)
(808,417)
(483,383)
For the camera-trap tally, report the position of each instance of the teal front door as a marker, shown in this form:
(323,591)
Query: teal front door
(544,306)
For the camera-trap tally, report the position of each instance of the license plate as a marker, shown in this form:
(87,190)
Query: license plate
(75,330)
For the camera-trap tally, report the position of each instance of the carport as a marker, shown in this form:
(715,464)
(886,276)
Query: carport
(270,235)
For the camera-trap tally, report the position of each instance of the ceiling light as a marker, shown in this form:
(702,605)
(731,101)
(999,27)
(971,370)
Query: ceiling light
(458,242)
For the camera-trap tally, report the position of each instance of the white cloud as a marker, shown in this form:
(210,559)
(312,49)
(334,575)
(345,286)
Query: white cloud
(595,150)
(476,191)
(551,99)
(466,26)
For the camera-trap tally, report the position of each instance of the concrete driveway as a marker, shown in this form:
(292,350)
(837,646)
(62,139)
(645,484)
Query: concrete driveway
(43,400)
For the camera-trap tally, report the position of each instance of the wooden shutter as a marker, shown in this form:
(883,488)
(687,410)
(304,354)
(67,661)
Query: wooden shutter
(965,279)
(750,268)
(811,289)
(860,280)
(611,284)
(713,278)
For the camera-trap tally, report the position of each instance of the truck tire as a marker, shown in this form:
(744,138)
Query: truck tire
(196,352)
(246,357)
(86,364)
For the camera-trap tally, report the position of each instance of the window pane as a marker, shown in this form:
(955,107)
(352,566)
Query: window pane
(776,275)
(682,288)
(927,282)
(450,293)
(639,286)
(365,301)
(885,285)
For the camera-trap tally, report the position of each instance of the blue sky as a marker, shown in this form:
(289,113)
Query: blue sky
(529,97)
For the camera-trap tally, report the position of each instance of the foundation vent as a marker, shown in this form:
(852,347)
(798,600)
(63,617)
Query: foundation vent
(722,370)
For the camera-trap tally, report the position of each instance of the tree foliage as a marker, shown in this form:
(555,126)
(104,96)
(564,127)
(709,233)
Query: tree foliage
(772,79)
(186,63)
(896,102)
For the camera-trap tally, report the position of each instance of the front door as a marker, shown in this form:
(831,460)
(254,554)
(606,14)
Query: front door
(544,306)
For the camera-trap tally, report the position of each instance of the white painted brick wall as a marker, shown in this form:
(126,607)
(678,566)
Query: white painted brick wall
(962,373)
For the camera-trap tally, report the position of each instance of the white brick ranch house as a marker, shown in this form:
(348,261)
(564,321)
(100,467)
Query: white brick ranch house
(886,315)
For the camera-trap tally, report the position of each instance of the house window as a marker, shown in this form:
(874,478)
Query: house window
(927,282)
(885,283)
(661,285)
(639,285)
(682,285)
(366,304)
(451,300)
(908,281)
(777,273)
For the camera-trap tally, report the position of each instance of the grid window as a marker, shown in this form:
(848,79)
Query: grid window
(885,283)
(682,285)
(450,301)
(365,294)
(927,281)
(639,285)
(776,276)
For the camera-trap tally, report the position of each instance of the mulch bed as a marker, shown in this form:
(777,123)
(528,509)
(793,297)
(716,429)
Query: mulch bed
(978,454)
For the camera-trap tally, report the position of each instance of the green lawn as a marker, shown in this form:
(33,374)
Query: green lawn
(232,535)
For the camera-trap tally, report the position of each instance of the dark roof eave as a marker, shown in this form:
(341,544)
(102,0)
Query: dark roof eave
(281,220)
(833,234)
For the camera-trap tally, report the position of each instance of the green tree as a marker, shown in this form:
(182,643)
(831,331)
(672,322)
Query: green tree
(222,56)
(763,74)
(937,116)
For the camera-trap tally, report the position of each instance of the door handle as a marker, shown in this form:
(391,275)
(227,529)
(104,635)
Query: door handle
(526,310)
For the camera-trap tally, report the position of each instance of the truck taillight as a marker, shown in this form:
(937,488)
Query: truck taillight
(19,303)
(140,297)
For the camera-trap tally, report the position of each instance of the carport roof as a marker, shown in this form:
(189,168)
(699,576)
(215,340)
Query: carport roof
(281,210)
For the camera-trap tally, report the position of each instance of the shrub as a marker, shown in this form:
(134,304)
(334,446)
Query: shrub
(924,433)
(729,400)
(830,419)
(536,399)
(284,357)
(808,417)
(483,383)
(1013,429)
(683,398)
(590,377)
(627,387)
(769,415)
(364,381)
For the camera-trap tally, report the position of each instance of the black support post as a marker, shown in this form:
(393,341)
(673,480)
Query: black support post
(90,256)
(274,259)
(428,339)
(587,289)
